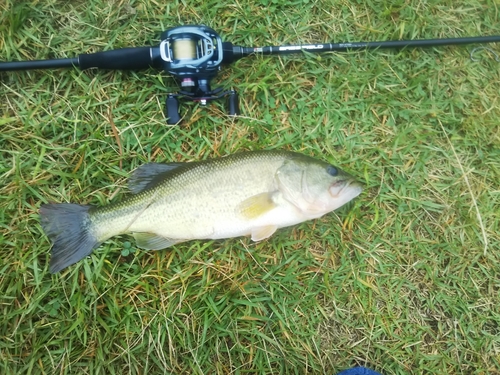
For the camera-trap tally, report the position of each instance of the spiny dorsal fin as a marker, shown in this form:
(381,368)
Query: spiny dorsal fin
(151,241)
(148,174)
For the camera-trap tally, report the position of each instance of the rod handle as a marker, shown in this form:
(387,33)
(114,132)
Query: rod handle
(125,58)
(37,64)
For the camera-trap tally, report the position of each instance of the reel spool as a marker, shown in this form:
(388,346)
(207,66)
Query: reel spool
(185,49)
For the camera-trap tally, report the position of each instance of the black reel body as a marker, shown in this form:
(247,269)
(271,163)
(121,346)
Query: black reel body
(193,55)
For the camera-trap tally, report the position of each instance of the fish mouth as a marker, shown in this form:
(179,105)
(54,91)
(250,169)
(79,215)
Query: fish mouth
(351,188)
(356,187)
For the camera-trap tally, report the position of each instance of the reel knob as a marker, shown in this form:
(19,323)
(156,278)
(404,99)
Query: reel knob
(233,103)
(172,110)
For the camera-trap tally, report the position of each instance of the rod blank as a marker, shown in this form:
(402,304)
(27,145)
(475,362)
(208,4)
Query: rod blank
(338,47)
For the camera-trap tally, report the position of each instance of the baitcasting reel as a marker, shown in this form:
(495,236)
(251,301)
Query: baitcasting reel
(193,55)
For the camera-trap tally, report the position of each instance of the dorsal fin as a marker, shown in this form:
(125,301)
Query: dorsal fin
(148,175)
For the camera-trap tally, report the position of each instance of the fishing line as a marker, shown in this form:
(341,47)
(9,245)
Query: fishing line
(497,58)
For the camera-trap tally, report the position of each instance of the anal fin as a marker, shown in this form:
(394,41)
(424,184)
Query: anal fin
(151,241)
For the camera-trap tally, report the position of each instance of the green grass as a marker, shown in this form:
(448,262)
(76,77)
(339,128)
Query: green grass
(405,280)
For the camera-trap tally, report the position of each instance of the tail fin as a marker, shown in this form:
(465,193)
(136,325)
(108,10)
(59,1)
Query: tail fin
(68,228)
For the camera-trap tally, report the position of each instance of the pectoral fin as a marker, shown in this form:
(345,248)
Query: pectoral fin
(256,206)
(151,241)
(261,233)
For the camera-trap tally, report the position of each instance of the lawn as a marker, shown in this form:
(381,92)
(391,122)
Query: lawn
(405,279)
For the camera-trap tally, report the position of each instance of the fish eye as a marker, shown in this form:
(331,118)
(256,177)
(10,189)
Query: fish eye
(332,171)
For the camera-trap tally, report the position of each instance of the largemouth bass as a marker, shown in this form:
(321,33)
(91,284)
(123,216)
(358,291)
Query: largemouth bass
(246,194)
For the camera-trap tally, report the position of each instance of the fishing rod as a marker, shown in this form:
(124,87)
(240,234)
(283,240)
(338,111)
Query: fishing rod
(194,54)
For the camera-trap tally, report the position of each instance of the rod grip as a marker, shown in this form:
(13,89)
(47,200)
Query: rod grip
(125,58)
(38,64)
